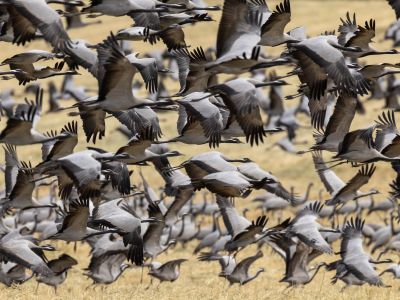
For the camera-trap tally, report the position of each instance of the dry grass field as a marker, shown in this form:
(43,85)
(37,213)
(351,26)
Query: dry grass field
(200,280)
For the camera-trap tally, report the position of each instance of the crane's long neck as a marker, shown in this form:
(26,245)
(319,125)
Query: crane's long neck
(71,3)
(198,229)
(217,225)
(392,228)
(375,52)
(214,227)
(362,195)
(259,271)
(238,160)
(314,273)
(182,228)
(378,262)
(170,243)
(389,73)
(204,202)
(208,8)
(372,206)
(307,195)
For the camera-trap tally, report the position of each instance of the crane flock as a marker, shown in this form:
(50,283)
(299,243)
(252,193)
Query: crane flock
(225,94)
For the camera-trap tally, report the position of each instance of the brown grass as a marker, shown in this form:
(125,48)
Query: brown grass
(200,280)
